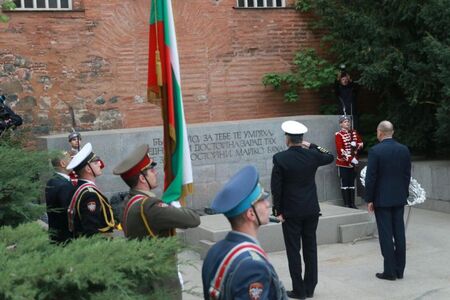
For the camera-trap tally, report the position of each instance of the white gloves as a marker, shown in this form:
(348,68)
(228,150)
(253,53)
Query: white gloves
(355,161)
(353,144)
(175,204)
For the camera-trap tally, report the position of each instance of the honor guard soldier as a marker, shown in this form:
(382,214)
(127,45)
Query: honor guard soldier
(237,267)
(74,141)
(89,211)
(145,215)
(348,144)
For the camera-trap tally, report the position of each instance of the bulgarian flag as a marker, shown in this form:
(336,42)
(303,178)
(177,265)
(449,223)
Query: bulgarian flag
(164,89)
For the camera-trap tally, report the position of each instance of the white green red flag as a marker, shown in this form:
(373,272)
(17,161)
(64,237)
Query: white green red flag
(164,88)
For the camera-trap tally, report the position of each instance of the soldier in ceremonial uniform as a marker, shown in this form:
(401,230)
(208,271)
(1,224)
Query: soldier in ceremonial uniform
(296,205)
(348,144)
(74,141)
(144,214)
(58,193)
(89,211)
(237,267)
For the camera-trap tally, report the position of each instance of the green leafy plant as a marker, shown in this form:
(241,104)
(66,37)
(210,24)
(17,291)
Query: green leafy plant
(400,52)
(86,268)
(20,183)
(6,5)
(310,72)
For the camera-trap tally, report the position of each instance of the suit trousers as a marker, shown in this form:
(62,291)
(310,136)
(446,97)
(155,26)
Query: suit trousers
(300,232)
(391,231)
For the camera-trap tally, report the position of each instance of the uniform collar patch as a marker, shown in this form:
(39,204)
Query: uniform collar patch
(91,206)
(255,290)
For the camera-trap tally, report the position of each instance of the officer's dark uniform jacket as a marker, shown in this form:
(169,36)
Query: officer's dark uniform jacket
(92,212)
(293,184)
(250,276)
(58,193)
(147,215)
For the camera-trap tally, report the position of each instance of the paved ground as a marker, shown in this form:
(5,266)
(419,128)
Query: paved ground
(347,271)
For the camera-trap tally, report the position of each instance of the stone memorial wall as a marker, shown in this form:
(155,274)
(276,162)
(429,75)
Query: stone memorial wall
(218,150)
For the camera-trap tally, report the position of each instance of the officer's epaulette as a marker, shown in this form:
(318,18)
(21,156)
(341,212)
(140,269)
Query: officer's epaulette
(323,150)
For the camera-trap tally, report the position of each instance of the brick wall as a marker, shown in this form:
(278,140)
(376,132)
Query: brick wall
(91,64)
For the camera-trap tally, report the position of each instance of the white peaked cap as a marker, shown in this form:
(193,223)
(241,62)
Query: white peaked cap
(294,127)
(80,157)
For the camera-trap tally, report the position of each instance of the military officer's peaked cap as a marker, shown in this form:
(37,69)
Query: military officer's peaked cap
(239,193)
(82,158)
(293,128)
(135,162)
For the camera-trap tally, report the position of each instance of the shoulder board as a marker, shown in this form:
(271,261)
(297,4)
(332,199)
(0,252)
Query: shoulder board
(323,150)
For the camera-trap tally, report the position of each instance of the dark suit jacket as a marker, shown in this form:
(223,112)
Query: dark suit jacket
(293,181)
(388,174)
(58,193)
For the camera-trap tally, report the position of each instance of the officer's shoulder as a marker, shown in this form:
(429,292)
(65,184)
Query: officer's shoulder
(154,202)
(251,262)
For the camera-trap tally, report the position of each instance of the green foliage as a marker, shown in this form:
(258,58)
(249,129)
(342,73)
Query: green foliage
(400,50)
(329,109)
(20,184)
(94,268)
(6,5)
(310,72)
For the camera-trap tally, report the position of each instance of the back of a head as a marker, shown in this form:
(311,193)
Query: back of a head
(62,156)
(386,127)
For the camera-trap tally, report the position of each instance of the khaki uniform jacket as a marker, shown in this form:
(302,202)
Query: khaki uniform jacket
(161,218)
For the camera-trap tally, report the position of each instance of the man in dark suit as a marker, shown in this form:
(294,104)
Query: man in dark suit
(387,184)
(295,204)
(58,192)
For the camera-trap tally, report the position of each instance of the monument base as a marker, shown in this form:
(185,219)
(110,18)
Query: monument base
(336,225)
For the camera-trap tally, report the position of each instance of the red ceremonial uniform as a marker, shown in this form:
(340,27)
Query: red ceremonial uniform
(345,151)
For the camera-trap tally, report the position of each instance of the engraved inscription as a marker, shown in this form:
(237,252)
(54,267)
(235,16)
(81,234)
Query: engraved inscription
(227,145)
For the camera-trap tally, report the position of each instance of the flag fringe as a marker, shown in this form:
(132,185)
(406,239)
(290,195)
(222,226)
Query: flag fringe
(187,189)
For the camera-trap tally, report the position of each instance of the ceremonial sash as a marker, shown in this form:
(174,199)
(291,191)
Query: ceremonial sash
(130,203)
(71,209)
(222,270)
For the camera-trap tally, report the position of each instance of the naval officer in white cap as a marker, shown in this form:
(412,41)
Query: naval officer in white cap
(89,211)
(296,205)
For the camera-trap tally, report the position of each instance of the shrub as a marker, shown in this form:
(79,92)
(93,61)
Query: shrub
(86,268)
(20,184)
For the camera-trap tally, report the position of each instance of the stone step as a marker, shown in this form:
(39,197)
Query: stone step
(357,231)
(336,224)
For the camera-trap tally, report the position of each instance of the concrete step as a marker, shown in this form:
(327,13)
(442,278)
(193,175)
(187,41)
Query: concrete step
(337,224)
(357,231)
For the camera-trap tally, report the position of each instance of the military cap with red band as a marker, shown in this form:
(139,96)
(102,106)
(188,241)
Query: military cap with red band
(135,162)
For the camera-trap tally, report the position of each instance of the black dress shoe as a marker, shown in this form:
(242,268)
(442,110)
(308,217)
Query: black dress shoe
(309,295)
(399,276)
(385,276)
(294,295)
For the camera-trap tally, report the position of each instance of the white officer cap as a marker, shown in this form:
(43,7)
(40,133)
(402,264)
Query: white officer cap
(294,127)
(82,158)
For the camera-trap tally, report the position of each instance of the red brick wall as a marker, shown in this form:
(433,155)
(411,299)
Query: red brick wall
(93,62)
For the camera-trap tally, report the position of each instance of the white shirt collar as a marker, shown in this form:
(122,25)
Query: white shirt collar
(63,175)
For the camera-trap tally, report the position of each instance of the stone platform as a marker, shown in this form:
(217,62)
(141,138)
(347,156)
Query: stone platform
(336,225)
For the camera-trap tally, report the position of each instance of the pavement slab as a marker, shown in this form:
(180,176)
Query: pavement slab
(347,271)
